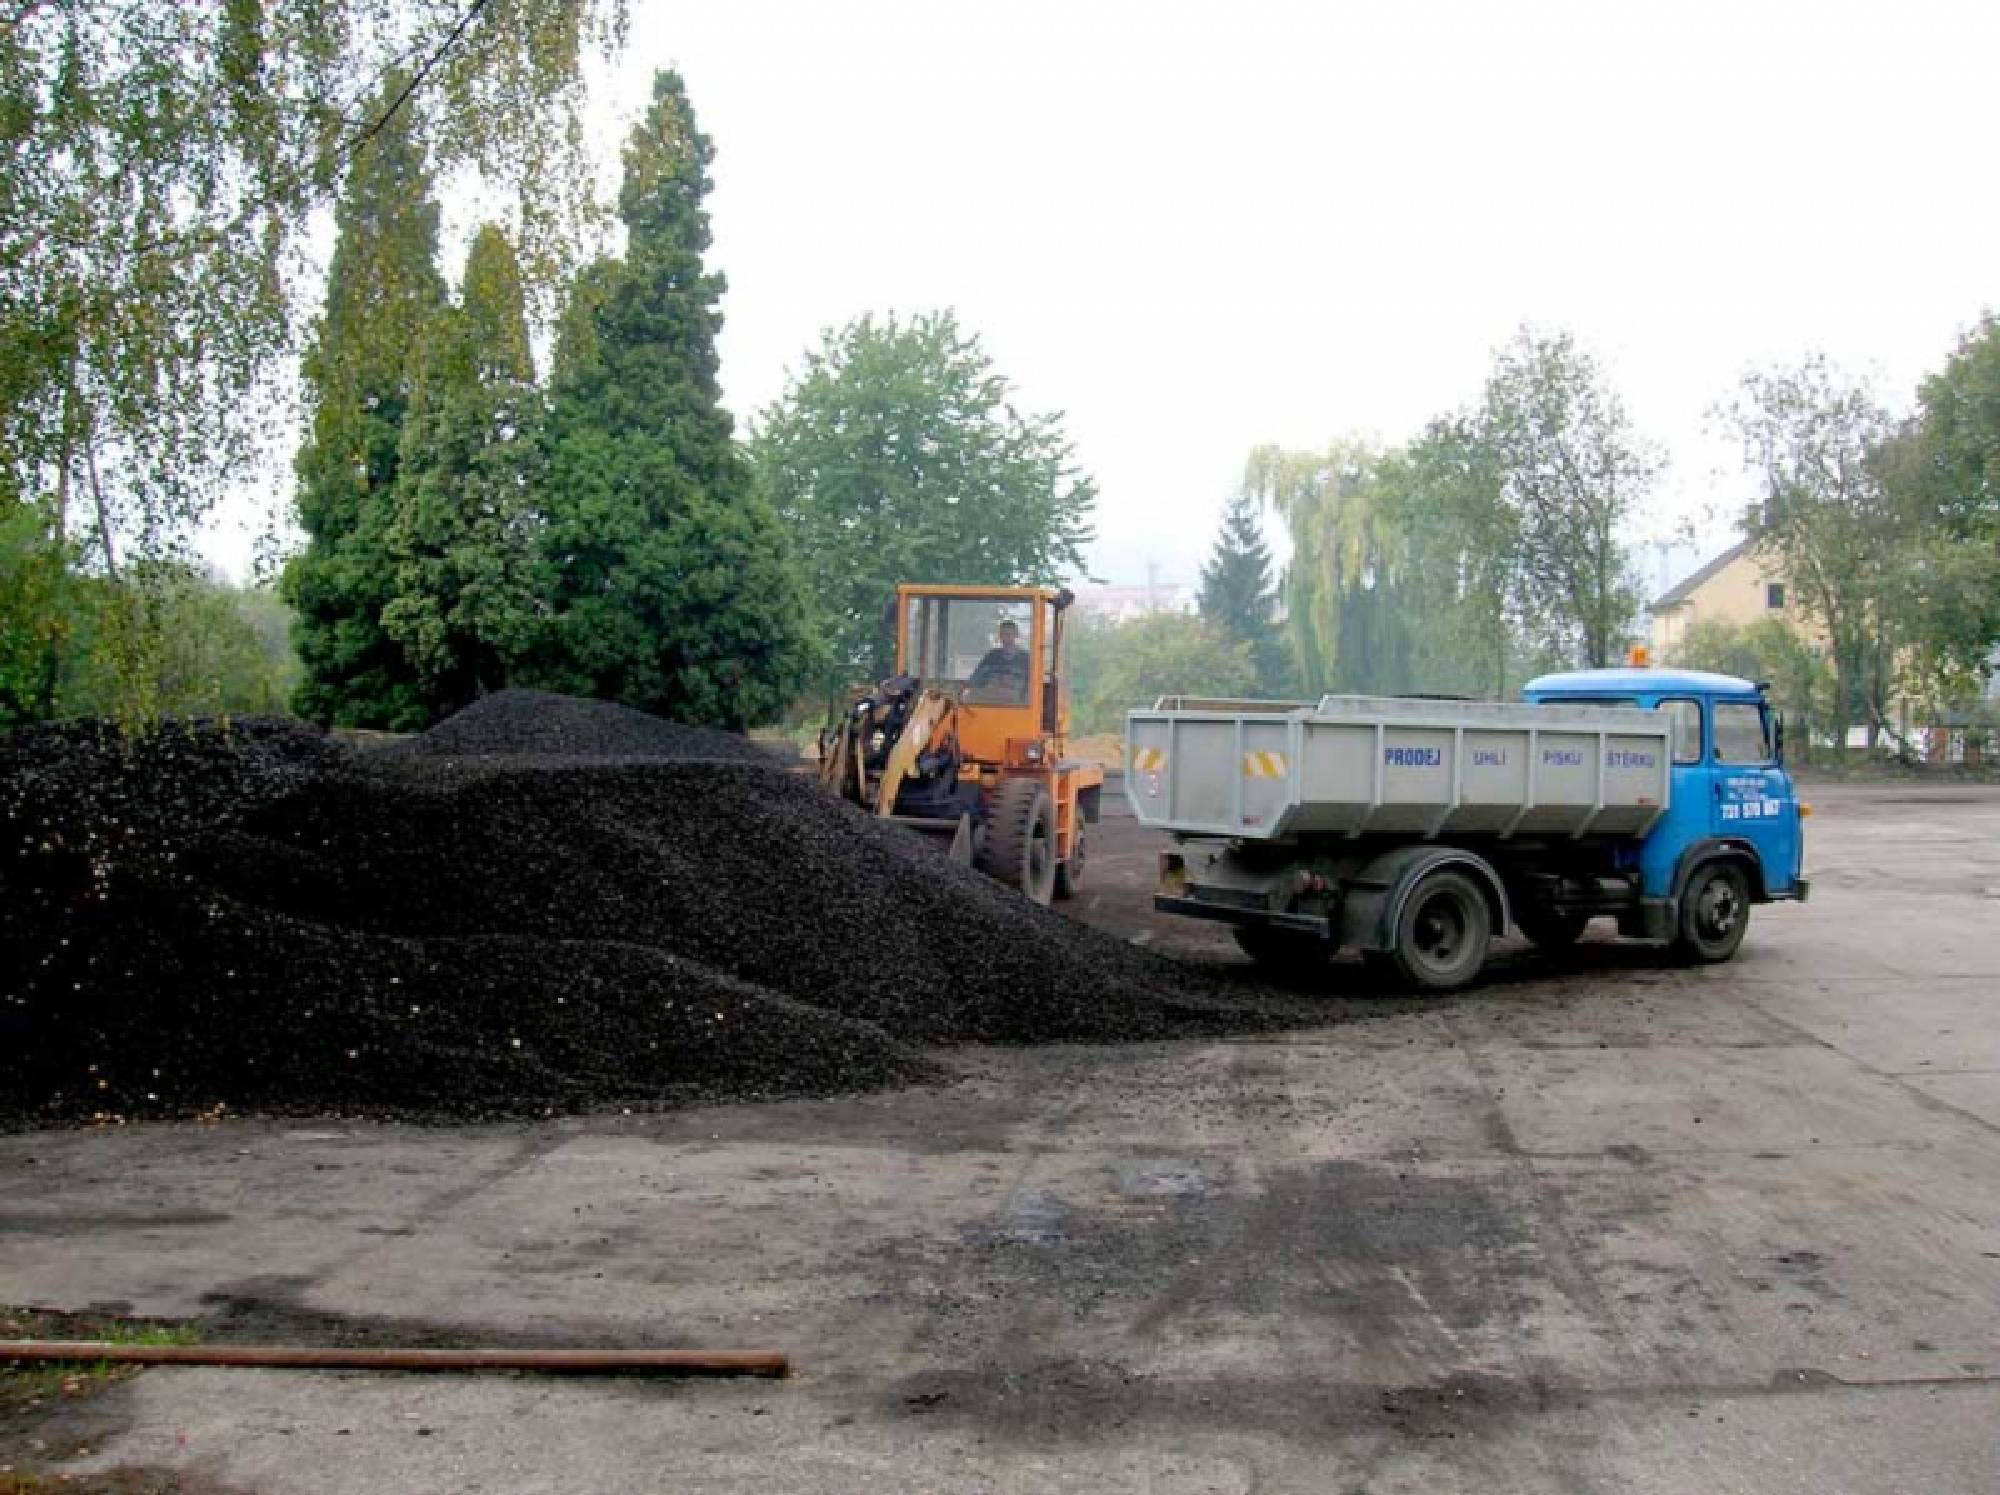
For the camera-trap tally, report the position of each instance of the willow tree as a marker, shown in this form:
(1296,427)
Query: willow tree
(1344,611)
(164,165)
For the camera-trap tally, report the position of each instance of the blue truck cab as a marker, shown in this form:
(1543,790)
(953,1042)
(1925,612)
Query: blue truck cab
(1731,834)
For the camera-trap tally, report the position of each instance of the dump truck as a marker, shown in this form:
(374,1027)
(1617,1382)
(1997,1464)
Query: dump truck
(1416,830)
(968,739)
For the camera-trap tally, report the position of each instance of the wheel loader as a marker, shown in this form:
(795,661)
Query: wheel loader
(968,739)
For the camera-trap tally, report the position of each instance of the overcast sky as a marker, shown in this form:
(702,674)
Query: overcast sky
(1194,228)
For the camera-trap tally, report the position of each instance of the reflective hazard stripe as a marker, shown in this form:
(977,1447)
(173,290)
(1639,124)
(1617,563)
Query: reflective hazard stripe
(1264,765)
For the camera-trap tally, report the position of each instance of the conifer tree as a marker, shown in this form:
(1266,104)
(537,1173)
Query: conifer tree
(670,583)
(382,285)
(462,538)
(1239,594)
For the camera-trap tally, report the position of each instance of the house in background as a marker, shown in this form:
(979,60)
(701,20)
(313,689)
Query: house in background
(1736,588)
(1740,588)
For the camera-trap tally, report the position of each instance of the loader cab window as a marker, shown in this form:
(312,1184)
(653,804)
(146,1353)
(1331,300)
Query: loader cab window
(980,643)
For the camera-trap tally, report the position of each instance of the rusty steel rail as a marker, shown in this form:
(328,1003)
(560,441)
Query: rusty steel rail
(770,1363)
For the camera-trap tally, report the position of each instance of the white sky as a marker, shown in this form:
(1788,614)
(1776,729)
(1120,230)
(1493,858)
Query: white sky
(1194,228)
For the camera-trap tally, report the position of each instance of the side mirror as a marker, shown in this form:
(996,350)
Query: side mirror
(1778,736)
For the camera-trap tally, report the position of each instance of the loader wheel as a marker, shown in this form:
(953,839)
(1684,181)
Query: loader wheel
(1069,873)
(1021,839)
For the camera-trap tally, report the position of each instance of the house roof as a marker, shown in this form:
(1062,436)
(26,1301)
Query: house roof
(1689,585)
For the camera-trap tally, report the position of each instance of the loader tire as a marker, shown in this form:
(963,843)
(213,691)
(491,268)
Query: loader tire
(1069,872)
(1020,845)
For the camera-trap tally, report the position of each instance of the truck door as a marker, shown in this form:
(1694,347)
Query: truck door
(1752,796)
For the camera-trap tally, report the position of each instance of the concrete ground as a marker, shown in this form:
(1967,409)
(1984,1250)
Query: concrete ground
(1599,1226)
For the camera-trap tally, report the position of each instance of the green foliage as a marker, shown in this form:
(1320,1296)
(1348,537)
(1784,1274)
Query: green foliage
(1802,684)
(1239,598)
(1958,436)
(1831,523)
(383,287)
(462,537)
(1945,470)
(172,641)
(1115,667)
(1571,474)
(36,612)
(897,454)
(1350,630)
(1488,548)
(668,575)
(1460,564)
(164,163)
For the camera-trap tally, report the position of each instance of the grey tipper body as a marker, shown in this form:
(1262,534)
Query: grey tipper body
(1414,829)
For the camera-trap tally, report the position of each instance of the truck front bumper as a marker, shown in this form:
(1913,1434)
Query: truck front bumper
(1231,913)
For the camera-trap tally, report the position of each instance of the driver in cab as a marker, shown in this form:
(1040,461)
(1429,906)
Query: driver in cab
(1003,671)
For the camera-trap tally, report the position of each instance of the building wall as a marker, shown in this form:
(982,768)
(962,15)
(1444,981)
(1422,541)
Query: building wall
(1740,594)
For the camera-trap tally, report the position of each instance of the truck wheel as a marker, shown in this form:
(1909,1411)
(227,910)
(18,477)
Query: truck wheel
(1069,873)
(1442,933)
(1550,929)
(1715,913)
(1285,952)
(1020,845)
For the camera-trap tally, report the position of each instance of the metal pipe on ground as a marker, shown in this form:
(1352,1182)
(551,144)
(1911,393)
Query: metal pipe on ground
(769,1363)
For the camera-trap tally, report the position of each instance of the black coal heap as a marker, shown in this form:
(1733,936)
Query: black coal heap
(543,904)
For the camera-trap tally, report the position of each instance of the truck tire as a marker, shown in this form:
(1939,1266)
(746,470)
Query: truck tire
(1714,915)
(1069,871)
(1442,933)
(1550,929)
(1283,952)
(1020,845)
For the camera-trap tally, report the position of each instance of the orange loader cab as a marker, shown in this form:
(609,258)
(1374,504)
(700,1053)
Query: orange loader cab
(970,737)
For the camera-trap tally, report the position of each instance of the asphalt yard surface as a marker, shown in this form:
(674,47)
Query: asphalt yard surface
(1600,1225)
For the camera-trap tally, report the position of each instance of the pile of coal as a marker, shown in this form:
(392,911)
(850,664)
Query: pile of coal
(537,723)
(248,915)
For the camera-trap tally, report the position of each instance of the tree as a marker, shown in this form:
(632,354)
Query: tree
(1944,469)
(1460,561)
(173,640)
(383,284)
(36,613)
(165,162)
(667,574)
(462,536)
(1353,624)
(1238,597)
(1769,650)
(1571,474)
(1117,666)
(1830,522)
(898,454)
